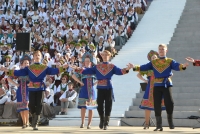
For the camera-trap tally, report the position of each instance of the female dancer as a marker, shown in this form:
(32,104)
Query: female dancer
(87,96)
(22,92)
(147,102)
(36,72)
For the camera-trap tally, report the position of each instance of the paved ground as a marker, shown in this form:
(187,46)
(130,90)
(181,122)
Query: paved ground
(94,130)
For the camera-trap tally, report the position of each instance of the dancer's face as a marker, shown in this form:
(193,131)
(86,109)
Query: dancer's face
(25,63)
(37,57)
(154,57)
(87,62)
(105,56)
(162,51)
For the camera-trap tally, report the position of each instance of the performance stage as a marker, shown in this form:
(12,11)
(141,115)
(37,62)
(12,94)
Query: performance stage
(111,130)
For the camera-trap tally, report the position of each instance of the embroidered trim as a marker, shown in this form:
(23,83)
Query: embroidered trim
(35,84)
(102,83)
(150,101)
(160,80)
(37,69)
(24,103)
(85,102)
(148,73)
(136,68)
(89,88)
(161,64)
(196,63)
(104,69)
(61,69)
(181,67)
(11,73)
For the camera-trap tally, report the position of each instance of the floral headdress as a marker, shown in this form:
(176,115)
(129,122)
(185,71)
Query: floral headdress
(151,53)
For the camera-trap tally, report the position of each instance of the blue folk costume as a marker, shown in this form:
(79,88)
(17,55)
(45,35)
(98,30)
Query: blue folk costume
(104,72)
(22,91)
(87,95)
(147,102)
(162,68)
(36,72)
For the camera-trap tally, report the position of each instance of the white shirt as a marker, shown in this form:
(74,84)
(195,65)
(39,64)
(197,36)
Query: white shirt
(70,98)
(49,100)
(4,99)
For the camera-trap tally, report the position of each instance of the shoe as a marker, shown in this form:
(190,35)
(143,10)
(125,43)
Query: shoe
(35,122)
(170,121)
(82,126)
(24,126)
(88,127)
(158,124)
(146,126)
(101,121)
(106,122)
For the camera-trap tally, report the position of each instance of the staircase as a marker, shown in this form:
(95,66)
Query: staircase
(186,91)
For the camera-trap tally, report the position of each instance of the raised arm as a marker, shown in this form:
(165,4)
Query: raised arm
(12,82)
(77,79)
(123,71)
(177,66)
(144,67)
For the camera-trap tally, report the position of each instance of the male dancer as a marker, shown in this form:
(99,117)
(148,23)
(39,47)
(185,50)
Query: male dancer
(162,68)
(104,72)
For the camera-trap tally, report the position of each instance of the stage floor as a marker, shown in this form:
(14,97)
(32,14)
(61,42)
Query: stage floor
(94,130)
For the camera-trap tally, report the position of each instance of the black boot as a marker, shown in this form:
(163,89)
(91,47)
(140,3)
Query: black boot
(106,122)
(158,124)
(33,119)
(101,121)
(170,121)
(36,121)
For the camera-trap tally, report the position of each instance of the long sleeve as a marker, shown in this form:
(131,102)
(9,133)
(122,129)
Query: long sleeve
(54,71)
(72,97)
(119,71)
(88,71)
(196,63)
(49,100)
(4,99)
(144,67)
(21,72)
(177,66)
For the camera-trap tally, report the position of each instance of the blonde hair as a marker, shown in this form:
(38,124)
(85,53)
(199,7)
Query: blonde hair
(107,52)
(163,45)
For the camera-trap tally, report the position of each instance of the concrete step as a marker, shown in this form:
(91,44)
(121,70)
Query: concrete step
(185,38)
(177,95)
(176,114)
(77,122)
(177,102)
(140,121)
(187,29)
(176,108)
(181,42)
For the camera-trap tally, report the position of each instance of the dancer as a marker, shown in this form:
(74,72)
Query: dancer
(104,72)
(22,92)
(87,95)
(36,87)
(162,69)
(147,102)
